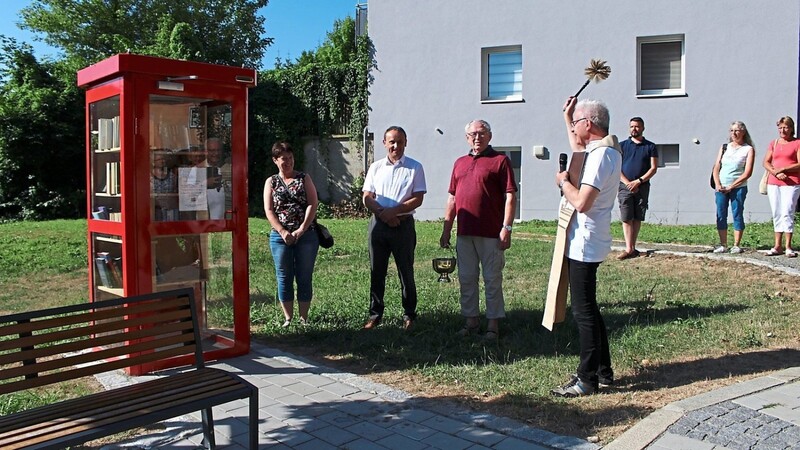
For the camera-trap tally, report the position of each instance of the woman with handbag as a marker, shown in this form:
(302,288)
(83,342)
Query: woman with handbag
(290,202)
(782,161)
(733,168)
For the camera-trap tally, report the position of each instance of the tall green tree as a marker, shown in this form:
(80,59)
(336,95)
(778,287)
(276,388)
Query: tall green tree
(340,46)
(42,161)
(215,31)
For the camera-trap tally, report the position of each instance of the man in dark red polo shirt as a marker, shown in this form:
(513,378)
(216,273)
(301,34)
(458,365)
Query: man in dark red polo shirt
(482,199)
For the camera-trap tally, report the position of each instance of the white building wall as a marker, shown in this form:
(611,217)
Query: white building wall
(741,64)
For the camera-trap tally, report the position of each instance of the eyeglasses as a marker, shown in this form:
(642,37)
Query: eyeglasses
(475,134)
(578,120)
(734,131)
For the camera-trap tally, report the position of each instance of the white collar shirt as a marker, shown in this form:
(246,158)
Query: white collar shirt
(589,233)
(393,184)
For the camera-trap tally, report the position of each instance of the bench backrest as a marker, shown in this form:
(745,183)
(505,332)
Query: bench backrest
(38,348)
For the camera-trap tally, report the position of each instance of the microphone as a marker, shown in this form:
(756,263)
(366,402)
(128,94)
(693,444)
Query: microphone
(562,165)
(562,162)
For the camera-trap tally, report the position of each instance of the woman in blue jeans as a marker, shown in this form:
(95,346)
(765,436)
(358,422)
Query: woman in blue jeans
(290,201)
(733,167)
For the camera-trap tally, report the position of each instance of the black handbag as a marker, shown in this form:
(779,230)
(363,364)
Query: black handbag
(714,186)
(324,235)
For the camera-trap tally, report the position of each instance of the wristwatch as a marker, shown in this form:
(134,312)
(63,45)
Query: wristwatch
(507,228)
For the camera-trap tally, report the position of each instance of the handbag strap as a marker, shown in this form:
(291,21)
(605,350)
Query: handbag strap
(300,175)
(291,194)
(724,147)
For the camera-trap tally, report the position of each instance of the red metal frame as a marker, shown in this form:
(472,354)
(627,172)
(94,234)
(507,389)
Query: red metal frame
(134,78)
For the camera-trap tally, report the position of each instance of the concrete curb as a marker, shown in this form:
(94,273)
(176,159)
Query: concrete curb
(653,426)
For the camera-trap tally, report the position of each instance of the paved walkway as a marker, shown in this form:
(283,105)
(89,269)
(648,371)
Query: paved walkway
(306,406)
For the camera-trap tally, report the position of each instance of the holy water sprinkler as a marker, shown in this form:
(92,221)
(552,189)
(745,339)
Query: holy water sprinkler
(597,71)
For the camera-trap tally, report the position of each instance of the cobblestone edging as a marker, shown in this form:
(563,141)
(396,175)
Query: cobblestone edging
(737,428)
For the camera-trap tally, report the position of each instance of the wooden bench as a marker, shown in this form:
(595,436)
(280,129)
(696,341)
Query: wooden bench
(39,348)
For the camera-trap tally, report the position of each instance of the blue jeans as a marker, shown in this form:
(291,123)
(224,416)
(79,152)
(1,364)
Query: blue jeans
(294,263)
(736,198)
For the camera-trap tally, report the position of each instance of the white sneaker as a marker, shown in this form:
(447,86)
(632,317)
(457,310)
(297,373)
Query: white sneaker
(720,249)
(736,249)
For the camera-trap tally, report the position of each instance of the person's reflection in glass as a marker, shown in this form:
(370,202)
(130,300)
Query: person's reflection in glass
(164,183)
(217,190)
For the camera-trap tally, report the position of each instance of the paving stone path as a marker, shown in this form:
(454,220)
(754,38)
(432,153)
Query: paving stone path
(306,406)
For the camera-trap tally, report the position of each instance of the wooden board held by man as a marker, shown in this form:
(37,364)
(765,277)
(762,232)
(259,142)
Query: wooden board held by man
(556,303)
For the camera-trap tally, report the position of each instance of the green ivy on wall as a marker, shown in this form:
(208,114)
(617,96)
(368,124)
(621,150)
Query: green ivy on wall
(323,93)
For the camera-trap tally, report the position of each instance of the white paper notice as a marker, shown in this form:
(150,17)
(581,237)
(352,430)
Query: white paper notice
(192,189)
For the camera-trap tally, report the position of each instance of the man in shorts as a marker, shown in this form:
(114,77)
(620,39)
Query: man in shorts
(639,165)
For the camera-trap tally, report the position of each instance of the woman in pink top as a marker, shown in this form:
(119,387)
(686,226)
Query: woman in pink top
(782,161)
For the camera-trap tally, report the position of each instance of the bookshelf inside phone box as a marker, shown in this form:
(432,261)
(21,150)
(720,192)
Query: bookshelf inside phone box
(166,171)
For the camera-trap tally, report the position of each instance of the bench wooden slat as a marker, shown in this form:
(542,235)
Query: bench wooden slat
(90,329)
(96,341)
(102,399)
(156,345)
(52,367)
(30,325)
(84,371)
(39,348)
(157,397)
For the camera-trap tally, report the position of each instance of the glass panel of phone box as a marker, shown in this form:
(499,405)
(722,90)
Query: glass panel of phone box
(190,160)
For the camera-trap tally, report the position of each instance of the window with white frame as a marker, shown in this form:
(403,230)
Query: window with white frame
(501,73)
(661,65)
(668,155)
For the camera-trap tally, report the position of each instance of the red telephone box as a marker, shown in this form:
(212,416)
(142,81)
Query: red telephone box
(166,170)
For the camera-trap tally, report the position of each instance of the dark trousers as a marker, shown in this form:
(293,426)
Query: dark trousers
(399,242)
(595,356)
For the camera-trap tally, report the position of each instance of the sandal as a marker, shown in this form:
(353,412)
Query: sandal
(791,253)
(490,335)
(773,252)
(468,331)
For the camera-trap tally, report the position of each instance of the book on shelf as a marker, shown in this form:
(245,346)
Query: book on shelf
(109,269)
(115,132)
(116,271)
(102,272)
(112,178)
(108,137)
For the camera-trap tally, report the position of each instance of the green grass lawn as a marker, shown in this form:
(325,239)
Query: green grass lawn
(661,312)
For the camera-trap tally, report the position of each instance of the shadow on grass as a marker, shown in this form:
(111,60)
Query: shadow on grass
(433,340)
(681,373)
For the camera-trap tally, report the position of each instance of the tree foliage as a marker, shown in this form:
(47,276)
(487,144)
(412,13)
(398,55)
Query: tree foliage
(323,93)
(42,138)
(220,31)
(42,162)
